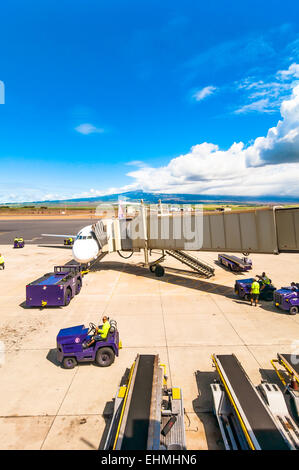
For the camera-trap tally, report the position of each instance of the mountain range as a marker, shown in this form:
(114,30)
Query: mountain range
(152,198)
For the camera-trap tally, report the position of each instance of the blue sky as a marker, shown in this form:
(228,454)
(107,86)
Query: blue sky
(102,96)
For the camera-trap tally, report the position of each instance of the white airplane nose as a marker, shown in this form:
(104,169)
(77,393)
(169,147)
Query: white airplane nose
(85,250)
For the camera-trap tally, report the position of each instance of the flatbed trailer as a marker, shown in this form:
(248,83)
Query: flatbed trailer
(147,415)
(234,263)
(250,420)
(290,380)
(55,288)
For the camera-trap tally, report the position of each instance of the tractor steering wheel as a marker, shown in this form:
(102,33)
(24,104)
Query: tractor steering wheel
(92,328)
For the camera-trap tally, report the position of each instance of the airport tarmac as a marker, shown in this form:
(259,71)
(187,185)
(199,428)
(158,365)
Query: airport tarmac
(32,229)
(183,318)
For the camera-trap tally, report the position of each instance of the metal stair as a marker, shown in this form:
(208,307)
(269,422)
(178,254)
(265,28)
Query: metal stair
(194,263)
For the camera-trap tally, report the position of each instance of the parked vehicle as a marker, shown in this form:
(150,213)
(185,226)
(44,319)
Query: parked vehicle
(19,243)
(56,288)
(71,351)
(243,288)
(234,263)
(287,298)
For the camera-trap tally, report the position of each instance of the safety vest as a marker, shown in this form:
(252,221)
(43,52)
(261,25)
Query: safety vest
(104,330)
(266,280)
(1,260)
(255,287)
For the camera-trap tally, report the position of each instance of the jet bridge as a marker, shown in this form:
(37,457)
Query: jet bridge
(246,420)
(270,230)
(147,415)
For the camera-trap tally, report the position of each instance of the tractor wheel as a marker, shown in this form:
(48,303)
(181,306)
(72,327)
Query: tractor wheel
(68,296)
(69,362)
(105,357)
(293,310)
(152,268)
(78,286)
(159,271)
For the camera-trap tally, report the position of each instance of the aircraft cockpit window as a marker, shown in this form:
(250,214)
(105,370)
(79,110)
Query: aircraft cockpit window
(83,237)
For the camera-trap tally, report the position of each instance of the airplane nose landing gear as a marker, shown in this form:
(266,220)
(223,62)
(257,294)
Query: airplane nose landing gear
(157,269)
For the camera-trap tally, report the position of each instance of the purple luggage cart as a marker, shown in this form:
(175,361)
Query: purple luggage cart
(56,288)
(234,263)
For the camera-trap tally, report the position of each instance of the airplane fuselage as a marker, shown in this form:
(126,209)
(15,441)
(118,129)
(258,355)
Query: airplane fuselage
(85,247)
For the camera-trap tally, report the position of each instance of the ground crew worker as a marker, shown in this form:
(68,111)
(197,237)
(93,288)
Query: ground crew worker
(255,291)
(294,286)
(102,333)
(264,280)
(2,265)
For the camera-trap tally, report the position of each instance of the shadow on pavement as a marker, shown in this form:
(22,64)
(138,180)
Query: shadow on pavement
(108,413)
(235,273)
(169,277)
(52,357)
(203,408)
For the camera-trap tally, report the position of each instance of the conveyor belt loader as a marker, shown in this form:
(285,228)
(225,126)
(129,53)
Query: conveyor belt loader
(147,415)
(250,420)
(290,363)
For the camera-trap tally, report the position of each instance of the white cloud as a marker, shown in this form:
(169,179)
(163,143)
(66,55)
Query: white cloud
(2,93)
(266,96)
(136,163)
(20,194)
(261,105)
(204,92)
(269,166)
(88,129)
(292,71)
(282,142)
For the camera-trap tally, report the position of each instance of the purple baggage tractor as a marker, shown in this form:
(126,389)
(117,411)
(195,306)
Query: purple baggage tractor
(56,288)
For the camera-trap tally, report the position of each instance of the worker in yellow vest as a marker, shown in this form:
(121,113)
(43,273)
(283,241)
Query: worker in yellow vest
(265,281)
(255,292)
(2,265)
(102,333)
